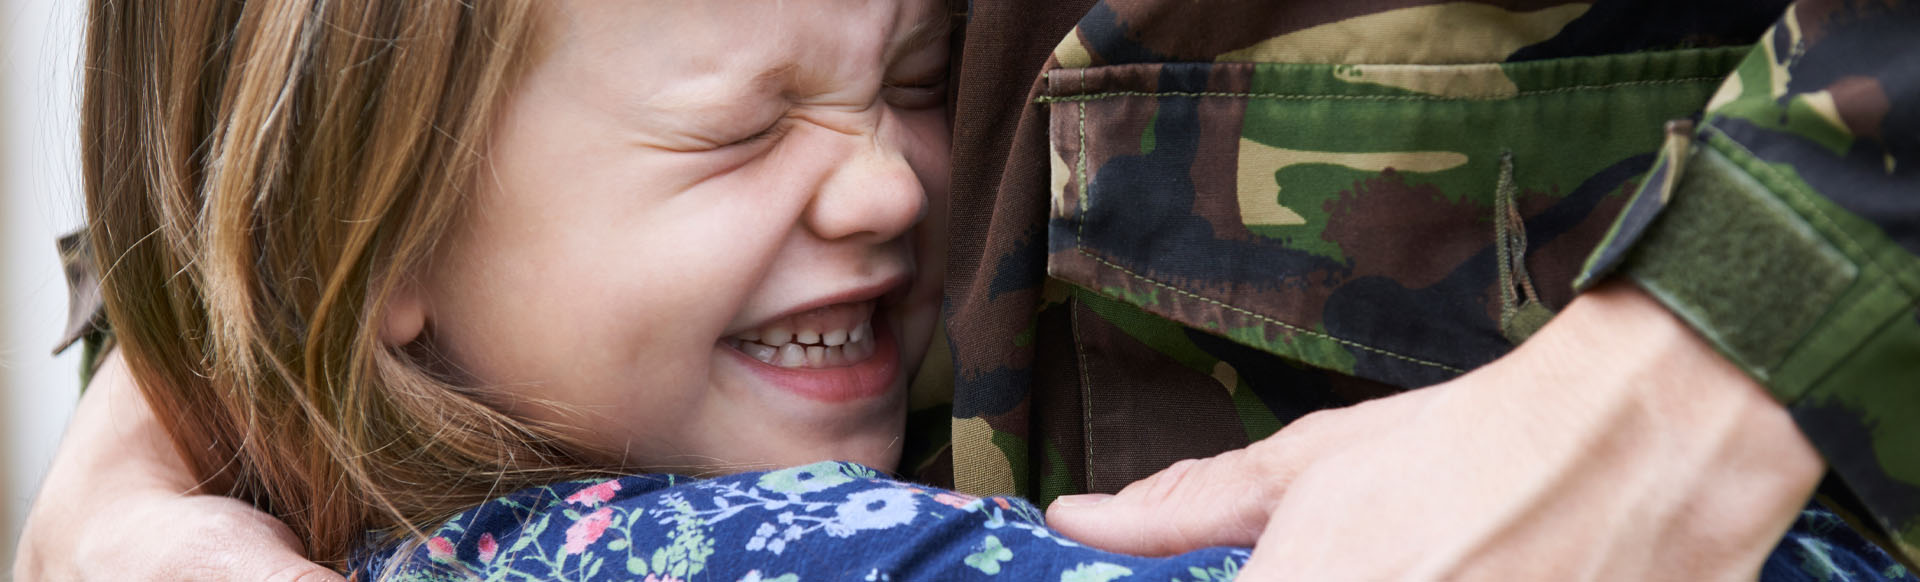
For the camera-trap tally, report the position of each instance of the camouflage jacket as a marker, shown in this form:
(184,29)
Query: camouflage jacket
(1213,217)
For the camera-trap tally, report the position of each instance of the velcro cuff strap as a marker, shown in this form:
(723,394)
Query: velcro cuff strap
(1738,264)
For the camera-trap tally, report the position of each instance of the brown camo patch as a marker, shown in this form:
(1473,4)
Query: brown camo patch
(1149,410)
(1214,170)
(1862,103)
(1407,232)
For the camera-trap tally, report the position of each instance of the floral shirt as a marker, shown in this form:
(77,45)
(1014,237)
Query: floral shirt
(826,521)
(840,521)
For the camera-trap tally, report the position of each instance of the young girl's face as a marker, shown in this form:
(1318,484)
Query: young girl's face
(710,231)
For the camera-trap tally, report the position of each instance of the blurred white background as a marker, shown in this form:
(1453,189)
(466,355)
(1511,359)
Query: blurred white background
(39,199)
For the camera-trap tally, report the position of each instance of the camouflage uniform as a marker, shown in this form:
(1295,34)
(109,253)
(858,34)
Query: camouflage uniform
(1214,217)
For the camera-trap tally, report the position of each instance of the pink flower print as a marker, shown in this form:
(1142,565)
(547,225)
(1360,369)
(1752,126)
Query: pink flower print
(1003,503)
(596,494)
(440,549)
(954,500)
(586,531)
(659,578)
(488,547)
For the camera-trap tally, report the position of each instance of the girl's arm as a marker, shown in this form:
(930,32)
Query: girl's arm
(116,506)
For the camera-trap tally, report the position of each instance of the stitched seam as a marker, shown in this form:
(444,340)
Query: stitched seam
(1813,211)
(1315,97)
(1073,305)
(1085,198)
(1502,239)
(1086,390)
(1289,326)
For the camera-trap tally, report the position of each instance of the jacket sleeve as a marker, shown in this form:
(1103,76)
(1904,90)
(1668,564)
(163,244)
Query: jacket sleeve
(1784,226)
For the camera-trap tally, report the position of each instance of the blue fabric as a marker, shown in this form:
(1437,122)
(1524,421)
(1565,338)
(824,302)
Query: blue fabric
(1822,548)
(838,521)
(826,521)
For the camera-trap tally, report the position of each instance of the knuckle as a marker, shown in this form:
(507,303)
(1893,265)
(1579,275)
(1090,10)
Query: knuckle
(1166,487)
(1311,422)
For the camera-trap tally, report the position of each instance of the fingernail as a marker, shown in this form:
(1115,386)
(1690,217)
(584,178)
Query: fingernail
(1089,499)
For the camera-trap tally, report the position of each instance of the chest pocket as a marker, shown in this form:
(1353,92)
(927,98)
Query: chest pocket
(1400,223)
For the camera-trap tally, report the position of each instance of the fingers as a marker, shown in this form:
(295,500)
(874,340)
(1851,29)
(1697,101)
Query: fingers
(200,537)
(1225,500)
(1221,501)
(275,557)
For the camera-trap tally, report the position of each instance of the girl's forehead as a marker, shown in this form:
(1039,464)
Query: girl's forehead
(705,35)
(668,63)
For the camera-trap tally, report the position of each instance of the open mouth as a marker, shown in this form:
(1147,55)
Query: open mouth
(829,337)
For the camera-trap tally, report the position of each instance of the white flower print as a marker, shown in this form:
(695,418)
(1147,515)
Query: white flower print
(877,509)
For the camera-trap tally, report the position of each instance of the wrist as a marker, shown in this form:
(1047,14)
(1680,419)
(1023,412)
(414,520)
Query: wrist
(1731,454)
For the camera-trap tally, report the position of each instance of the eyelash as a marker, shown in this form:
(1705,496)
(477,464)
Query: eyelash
(772,132)
(921,95)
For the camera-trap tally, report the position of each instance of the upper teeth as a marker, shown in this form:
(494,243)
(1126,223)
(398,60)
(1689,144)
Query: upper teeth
(829,337)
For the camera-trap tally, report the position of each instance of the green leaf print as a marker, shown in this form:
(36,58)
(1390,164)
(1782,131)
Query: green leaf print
(687,555)
(1228,570)
(991,554)
(1095,572)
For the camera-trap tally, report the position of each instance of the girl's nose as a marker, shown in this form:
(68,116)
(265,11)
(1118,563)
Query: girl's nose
(873,194)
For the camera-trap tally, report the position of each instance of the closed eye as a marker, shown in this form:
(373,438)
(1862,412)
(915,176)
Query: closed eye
(917,95)
(772,132)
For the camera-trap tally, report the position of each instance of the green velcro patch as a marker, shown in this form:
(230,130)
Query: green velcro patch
(1738,264)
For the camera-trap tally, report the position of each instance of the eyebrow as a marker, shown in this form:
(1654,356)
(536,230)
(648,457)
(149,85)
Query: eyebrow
(933,28)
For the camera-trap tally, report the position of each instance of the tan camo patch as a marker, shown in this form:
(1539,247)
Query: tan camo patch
(1729,91)
(1677,148)
(979,466)
(1062,175)
(1417,35)
(1821,102)
(1483,81)
(1227,376)
(1260,195)
(1071,54)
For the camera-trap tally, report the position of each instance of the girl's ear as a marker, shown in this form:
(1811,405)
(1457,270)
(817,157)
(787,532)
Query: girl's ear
(406,315)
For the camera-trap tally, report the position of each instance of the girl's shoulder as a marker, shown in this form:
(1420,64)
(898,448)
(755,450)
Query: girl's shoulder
(825,521)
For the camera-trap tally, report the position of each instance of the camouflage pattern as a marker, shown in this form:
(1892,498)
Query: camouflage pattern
(1807,156)
(1214,217)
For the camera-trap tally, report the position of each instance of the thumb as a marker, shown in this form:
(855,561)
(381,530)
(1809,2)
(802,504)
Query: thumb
(226,539)
(1219,501)
(275,557)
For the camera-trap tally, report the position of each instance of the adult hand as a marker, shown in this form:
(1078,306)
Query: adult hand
(1613,445)
(114,507)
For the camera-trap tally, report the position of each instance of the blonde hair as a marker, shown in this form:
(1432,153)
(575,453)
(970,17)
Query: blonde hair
(262,176)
